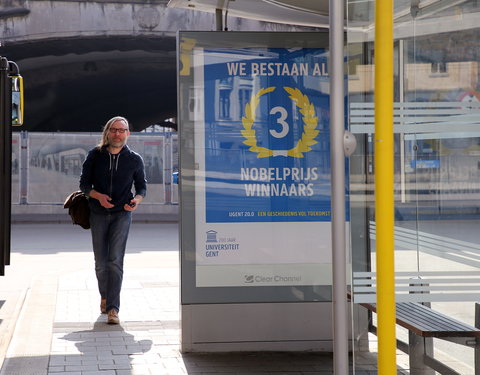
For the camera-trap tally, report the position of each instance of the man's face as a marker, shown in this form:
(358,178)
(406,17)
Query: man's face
(118,134)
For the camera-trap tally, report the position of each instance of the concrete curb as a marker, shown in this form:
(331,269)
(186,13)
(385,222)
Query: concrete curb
(8,326)
(29,349)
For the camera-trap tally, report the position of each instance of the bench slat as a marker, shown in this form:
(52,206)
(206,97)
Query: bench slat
(427,322)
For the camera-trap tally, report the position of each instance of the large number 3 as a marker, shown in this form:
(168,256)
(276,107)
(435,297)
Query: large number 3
(280,120)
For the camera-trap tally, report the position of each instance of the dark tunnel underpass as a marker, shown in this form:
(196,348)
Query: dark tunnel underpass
(77,84)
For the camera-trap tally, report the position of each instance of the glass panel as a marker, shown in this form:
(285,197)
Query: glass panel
(175,168)
(15,168)
(360,71)
(437,144)
(152,149)
(55,163)
(443,68)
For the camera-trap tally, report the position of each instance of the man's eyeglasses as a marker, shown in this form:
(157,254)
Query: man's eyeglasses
(118,130)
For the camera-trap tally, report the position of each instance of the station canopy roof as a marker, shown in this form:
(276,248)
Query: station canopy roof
(411,17)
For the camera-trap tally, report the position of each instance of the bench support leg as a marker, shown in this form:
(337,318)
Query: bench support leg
(477,358)
(418,347)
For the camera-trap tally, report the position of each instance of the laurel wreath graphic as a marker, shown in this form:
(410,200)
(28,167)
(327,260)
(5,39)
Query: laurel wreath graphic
(309,119)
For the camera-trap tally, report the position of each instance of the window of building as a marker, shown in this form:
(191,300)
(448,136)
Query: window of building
(225,104)
(243,99)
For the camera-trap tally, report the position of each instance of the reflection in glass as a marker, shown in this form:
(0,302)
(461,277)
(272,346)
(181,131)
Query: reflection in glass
(437,149)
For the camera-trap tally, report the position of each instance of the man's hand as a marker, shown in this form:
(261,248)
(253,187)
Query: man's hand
(104,199)
(132,206)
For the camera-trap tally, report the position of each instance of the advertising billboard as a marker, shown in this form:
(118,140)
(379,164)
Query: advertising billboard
(260,129)
(263,181)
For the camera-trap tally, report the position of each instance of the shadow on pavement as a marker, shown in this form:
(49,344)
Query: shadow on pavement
(105,347)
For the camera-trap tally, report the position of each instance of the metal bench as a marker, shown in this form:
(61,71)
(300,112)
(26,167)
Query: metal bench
(424,324)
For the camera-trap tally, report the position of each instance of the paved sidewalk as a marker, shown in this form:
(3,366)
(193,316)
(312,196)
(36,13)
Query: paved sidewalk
(51,322)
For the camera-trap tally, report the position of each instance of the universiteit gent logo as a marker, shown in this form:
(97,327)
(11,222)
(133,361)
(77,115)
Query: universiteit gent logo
(215,247)
(212,236)
(310,122)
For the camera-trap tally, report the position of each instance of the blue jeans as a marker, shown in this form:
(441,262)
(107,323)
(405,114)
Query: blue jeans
(109,238)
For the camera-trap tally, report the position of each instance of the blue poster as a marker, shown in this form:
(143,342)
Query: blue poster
(267,149)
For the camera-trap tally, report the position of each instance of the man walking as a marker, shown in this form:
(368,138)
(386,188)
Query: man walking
(108,173)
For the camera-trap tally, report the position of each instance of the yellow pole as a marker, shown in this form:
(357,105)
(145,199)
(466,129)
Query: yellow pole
(384,199)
